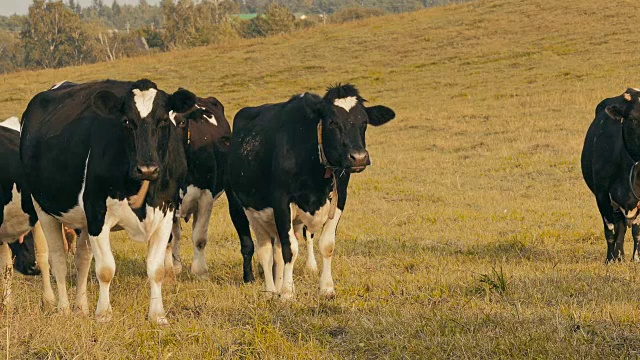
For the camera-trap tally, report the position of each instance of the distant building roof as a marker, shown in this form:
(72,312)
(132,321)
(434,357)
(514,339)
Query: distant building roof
(245,16)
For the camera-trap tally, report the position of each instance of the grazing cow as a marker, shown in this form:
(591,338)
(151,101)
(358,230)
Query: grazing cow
(289,167)
(99,156)
(206,133)
(17,215)
(610,168)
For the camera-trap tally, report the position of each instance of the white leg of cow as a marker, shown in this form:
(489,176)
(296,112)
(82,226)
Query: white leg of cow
(312,265)
(200,234)
(279,265)
(265,256)
(287,287)
(327,245)
(105,270)
(175,248)
(42,258)
(83,258)
(155,270)
(52,230)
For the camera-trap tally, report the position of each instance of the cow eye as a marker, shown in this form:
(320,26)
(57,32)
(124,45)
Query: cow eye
(126,122)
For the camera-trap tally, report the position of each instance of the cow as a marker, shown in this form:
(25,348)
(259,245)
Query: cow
(17,215)
(99,156)
(611,170)
(289,167)
(206,133)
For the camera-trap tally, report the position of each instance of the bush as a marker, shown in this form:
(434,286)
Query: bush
(354,13)
(277,19)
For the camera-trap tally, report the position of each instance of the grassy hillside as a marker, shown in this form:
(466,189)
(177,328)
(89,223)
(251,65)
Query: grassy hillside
(471,236)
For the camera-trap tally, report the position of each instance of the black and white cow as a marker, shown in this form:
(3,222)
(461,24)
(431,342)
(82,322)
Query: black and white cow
(99,156)
(206,133)
(289,167)
(17,215)
(611,170)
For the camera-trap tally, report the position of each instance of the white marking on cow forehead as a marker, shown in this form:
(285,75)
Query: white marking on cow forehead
(346,103)
(211,119)
(11,123)
(172,117)
(144,100)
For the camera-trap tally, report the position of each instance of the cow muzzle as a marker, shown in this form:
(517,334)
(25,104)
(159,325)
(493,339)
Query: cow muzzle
(147,172)
(358,160)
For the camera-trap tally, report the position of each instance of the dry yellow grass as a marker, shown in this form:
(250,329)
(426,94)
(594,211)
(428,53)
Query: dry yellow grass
(471,236)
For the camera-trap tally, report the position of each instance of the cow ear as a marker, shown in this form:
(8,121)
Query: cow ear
(106,103)
(615,112)
(182,100)
(380,115)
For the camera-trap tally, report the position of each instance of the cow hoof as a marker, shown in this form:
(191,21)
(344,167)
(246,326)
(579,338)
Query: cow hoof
(177,267)
(105,316)
(81,312)
(312,267)
(248,278)
(286,296)
(635,259)
(329,293)
(64,309)
(161,321)
(200,274)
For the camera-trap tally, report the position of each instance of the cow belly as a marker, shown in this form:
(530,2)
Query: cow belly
(192,198)
(119,213)
(74,218)
(16,222)
(262,221)
(315,222)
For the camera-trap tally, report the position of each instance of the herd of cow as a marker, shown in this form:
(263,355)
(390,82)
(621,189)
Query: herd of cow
(113,155)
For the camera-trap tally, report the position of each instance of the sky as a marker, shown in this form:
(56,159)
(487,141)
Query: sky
(9,7)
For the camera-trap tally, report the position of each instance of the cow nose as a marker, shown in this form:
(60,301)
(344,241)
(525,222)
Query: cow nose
(359,158)
(148,172)
(33,270)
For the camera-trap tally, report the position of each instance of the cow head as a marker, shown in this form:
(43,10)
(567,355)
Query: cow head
(204,123)
(25,256)
(343,128)
(144,113)
(629,109)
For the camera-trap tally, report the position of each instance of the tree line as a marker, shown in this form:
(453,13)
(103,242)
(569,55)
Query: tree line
(56,34)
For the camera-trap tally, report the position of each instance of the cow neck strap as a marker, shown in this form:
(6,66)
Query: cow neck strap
(323,156)
(328,172)
(631,179)
(334,197)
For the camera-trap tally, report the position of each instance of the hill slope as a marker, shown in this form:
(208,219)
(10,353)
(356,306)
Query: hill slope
(472,234)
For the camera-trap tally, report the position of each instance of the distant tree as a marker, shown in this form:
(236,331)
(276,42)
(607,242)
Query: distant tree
(277,19)
(116,10)
(53,36)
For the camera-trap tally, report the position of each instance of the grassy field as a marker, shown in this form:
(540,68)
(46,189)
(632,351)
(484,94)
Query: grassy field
(471,236)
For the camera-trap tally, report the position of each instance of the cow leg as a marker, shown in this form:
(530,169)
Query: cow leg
(42,258)
(278,265)
(105,270)
(200,234)
(327,246)
(312,265)
(265,254)
(176,233)
(283,217)
(609,220)
(155,270)
(241,224)
(83,258)
(52,230)
(635,232)
(618,251)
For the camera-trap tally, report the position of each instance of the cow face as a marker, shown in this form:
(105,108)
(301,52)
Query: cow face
(144,114)
(344,128)
(203,124)
(25,256)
